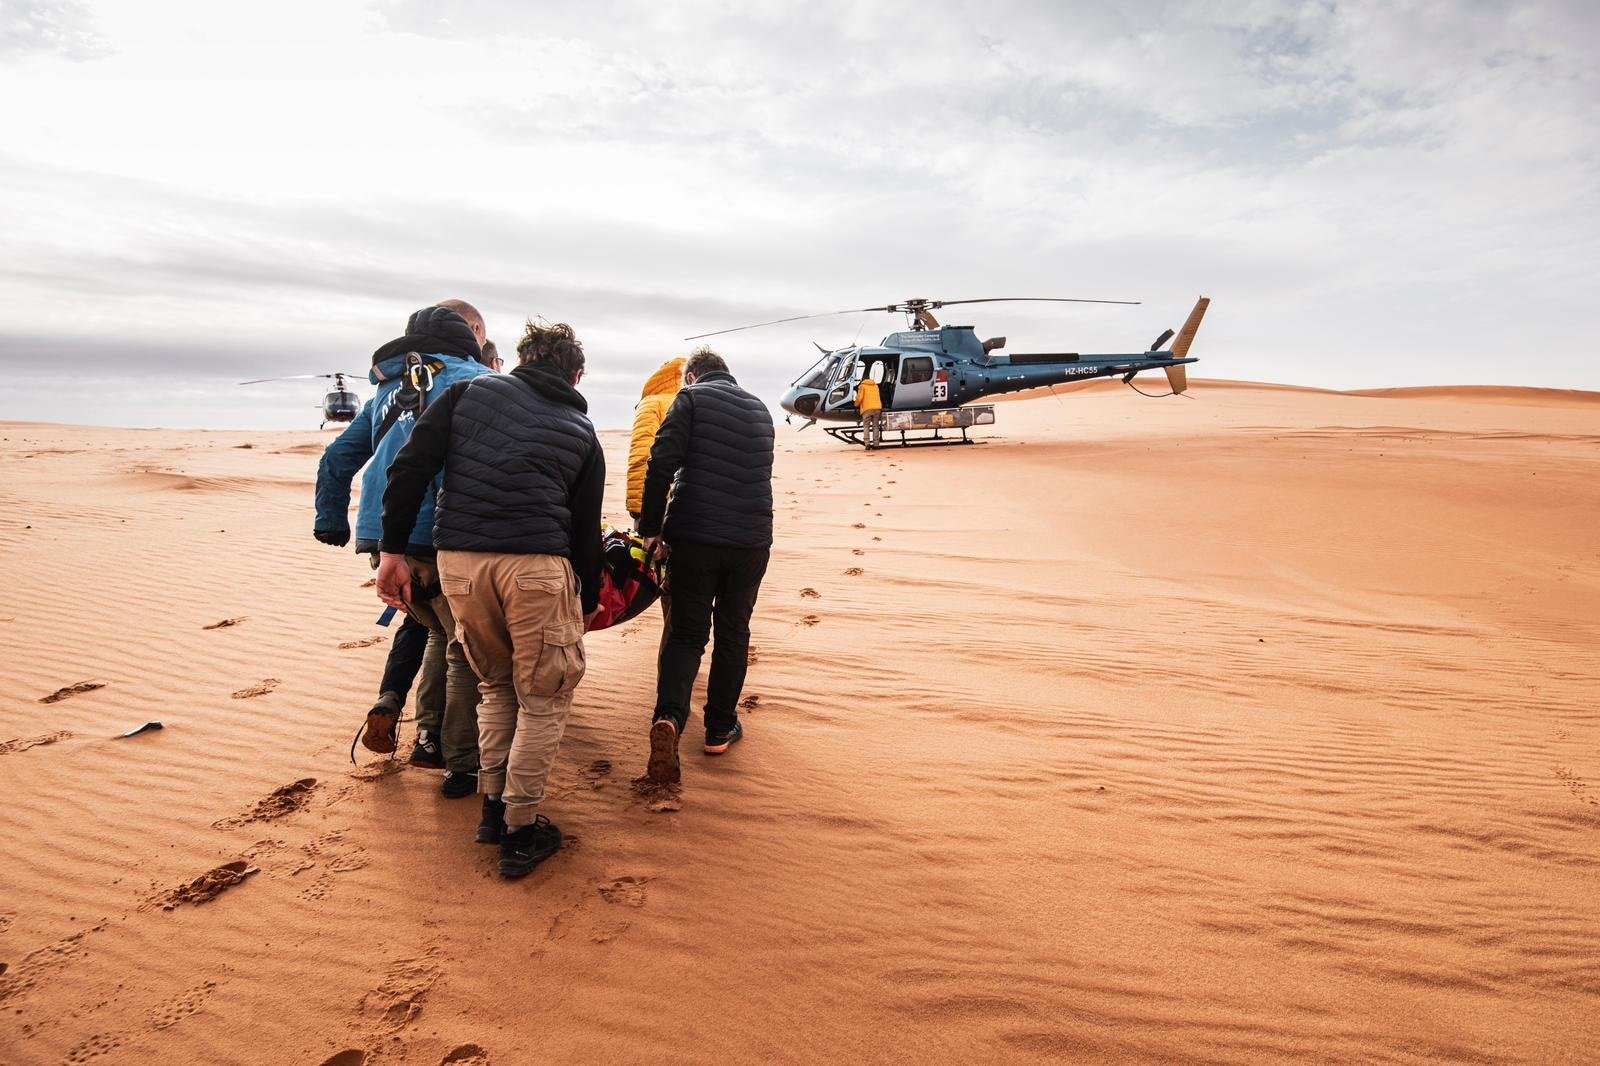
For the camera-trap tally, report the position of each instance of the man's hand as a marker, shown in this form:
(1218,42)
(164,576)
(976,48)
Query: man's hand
(656,550)
(336,537)
(394,580)
(588,619)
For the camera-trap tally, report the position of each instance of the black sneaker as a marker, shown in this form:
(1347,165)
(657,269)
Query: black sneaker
(427,754)
(523,849)
(663,766)
(458,783)
(717,743)
(493,824)
(382,731)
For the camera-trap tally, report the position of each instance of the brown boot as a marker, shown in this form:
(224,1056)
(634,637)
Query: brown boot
(383,725)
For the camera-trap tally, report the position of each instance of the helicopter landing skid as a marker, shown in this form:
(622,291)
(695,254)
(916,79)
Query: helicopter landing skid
(928,421)
(857,435)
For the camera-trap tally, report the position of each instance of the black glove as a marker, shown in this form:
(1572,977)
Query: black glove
(337,537)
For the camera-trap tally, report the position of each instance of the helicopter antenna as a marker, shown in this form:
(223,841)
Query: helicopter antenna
(916,307)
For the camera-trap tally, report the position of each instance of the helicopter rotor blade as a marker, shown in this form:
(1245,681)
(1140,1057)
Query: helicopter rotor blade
(1030,299)
(304,377)
(796,318)
(912,306)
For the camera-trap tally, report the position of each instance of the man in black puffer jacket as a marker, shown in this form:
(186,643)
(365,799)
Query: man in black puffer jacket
(517,529)
(714,453)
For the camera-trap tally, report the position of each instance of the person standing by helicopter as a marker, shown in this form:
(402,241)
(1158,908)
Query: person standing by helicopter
(870,403)
(442,345)
(714,452)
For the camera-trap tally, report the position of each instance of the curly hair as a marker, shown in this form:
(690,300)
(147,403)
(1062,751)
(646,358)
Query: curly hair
(555,344)
(702,361)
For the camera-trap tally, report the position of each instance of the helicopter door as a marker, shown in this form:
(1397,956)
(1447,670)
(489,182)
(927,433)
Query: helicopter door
(845,377)
(915,388)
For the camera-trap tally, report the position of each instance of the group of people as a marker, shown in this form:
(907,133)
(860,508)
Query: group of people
(481,511)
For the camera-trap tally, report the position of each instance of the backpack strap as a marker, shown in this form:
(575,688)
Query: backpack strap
(416,382)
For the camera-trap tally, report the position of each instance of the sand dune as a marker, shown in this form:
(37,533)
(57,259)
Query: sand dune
(1251,727)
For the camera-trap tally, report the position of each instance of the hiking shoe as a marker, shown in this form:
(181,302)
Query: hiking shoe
(717,743)
(427,754)
(492,827)
(458,783)
(382,733)
(526,847)
(663,766)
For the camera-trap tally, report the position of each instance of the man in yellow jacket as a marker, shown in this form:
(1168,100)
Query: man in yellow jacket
(871,406)
(659,392)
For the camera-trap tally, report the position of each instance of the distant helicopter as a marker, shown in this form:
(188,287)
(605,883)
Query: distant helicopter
(927,373)
(339,404)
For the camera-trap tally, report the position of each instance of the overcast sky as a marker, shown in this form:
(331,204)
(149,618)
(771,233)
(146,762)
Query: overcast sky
(1372,194)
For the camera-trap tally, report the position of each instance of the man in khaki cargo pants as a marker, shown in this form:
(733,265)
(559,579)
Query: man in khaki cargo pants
(518,538)
(521,626)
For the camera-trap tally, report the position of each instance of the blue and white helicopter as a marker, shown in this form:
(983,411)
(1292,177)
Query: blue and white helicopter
(929,373)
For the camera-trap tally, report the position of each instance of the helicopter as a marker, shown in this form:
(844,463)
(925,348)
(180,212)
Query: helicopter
(928,373)
(339,404)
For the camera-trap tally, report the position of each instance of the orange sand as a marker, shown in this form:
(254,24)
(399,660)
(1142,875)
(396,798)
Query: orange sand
(1255,726)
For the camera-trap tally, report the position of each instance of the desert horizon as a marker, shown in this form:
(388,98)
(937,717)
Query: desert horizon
(1254,726)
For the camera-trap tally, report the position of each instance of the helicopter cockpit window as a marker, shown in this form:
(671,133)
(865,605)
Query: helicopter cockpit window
(817,376)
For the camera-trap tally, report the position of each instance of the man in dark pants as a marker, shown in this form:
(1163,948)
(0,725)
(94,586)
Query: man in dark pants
(714,453)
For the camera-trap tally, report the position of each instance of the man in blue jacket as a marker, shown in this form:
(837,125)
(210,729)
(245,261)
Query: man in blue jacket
(442,345)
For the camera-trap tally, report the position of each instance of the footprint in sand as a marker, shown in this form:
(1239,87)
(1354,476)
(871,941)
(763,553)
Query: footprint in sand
(597,772)
(810,594)
(660,799)
(752,656)
(1576,785)
(371,582)
(39,965)
(205,888)
(810,620)
(398,998)
(378,769)
(335,853)
(92,1048)
(267,685)
(319,889)
(466,1055)
(225,623)
(877,538)
(19,744)
(72,690)
(858,551)
(625,891)
(347,1057)
(279,802)
(186,1005)
(750,702)
(365,642)
(858,525)
(854,571)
